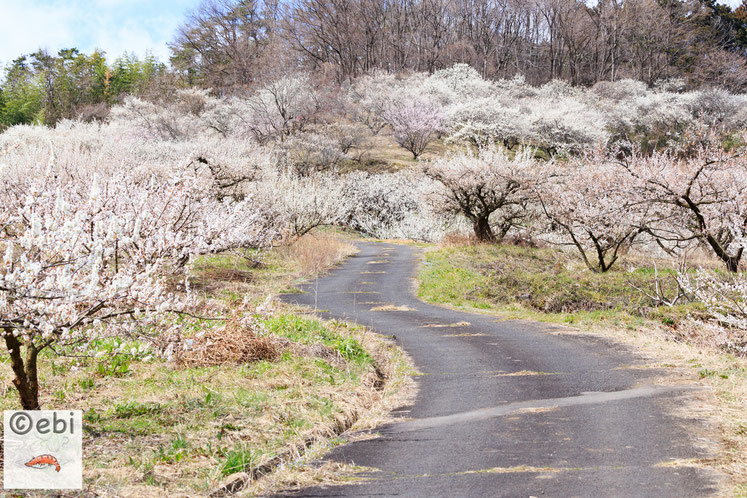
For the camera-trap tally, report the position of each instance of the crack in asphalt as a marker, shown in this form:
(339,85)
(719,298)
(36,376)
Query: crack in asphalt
(510,408)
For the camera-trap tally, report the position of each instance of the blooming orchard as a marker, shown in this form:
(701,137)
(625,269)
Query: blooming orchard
(80,250)
(99,220)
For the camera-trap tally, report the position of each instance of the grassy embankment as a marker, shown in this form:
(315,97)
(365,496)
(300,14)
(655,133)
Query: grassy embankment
(157,428)
(552,286)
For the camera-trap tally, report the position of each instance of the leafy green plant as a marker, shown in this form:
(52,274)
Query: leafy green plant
(239,460)
(116,366)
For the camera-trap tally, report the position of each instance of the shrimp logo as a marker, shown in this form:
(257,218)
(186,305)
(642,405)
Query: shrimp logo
(43,449)
(43,462)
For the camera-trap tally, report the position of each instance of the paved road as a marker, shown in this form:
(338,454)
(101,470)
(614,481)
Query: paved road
(477,430)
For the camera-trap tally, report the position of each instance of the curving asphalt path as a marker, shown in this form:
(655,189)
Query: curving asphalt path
(587,427)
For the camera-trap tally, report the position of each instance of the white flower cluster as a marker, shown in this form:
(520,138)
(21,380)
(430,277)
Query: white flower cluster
(89,235)
(726,299)
(555,117)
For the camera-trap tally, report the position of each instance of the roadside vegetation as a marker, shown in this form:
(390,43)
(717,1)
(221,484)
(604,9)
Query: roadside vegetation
(264,390)
(150,212)
(551,283)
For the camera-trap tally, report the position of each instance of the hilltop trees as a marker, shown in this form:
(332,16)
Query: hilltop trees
(281,108)
(225,44)
(229,44)
(46,88)
(233,47)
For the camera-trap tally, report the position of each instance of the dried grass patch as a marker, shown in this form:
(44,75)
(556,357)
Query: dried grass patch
(442,325)
(686,462)
(296,477)
(522,373)
(546,409)
(316,253)
(460,239)
(392,307)
(519,469)
(232,344)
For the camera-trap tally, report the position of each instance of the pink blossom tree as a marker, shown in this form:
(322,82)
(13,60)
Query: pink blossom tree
(415,122)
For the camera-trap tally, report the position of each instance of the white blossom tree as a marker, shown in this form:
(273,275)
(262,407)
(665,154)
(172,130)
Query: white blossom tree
(86,259)
(588,202)
(695,195)
(488,187)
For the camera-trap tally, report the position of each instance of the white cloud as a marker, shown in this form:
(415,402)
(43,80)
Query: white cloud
(26,28)
(114,26)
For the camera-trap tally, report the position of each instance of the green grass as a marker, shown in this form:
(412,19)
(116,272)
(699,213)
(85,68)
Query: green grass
(548,284)
(207,421)
(240,460)
(151,423)
(308,331)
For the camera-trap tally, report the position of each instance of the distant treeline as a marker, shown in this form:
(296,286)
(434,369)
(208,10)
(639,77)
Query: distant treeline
(44,88)
(231,46)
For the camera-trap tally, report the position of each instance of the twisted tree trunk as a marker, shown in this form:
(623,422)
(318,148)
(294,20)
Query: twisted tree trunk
(26,379)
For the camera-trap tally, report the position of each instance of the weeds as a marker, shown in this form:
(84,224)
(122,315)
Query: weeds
(240,460)
(532,281)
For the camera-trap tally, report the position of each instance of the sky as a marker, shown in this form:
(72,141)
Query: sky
(114,26)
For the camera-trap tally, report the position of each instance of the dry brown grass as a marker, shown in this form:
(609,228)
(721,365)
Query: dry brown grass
(523,373)
(234,343)
(445,325)
(316,253)
(459,239)
(392,307)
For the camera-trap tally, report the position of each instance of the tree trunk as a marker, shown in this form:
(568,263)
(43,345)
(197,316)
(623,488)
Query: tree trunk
(732,263)
(26,380)
(483,232)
